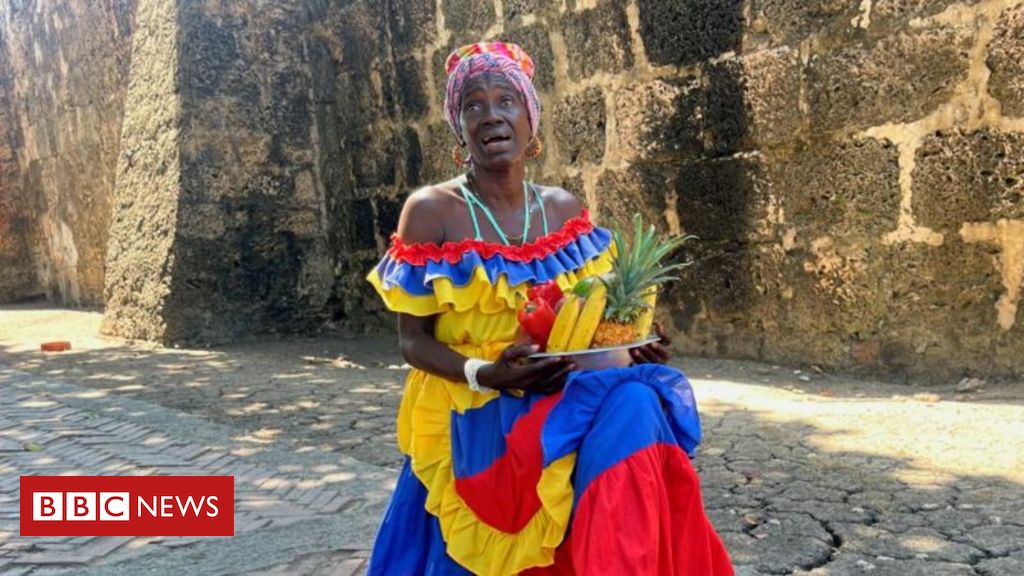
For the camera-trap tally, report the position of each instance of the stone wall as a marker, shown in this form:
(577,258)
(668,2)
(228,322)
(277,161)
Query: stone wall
(853,168)
(888,209)
(62,78)
(220,230)
(18,279)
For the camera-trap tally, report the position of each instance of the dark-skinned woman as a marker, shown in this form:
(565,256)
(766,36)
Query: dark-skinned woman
(515,466)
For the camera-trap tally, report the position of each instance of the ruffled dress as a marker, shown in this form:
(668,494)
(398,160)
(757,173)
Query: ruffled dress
(595,479)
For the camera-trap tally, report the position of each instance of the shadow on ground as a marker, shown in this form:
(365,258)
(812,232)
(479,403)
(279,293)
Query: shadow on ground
(802,472)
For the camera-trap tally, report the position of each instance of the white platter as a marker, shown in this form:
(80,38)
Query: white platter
(589,351)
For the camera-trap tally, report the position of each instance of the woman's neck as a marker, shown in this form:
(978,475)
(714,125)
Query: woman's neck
(501,189)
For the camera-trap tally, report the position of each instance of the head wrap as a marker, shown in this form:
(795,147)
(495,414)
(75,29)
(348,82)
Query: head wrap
(505,59)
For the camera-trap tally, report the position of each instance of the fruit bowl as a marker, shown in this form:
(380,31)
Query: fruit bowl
(599,358)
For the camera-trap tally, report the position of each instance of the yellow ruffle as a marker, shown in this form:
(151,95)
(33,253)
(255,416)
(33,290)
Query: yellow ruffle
(424,433)
(478,293)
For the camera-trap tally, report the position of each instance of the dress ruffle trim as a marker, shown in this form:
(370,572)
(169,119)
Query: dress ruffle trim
(426,407)
(416,278)
(487,285)
(419,253)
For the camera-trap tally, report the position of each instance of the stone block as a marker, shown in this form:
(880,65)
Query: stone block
(360,45)
(359,101)
(437,63)
(725,117)
(517,8)
(412,23)
(303,223)
(770,88)
(660,120)
(847,189)
(413,157)
(896,13)
(640,188)
(261,280)
(714,306)
(790,21)
(201,220)
(722,200)
(387,212)
(941,317)
(359,92)
(437,145)
(353,297)
(536,43)
(289,116)
(361,224)
(377,155)
(468,19)
(412,97)
(580,127)
(968,177)
(1006,60)
(896,79)
(690,31)
(597,40)
(209,52)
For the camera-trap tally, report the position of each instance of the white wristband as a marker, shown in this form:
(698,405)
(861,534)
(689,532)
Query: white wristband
(470,368)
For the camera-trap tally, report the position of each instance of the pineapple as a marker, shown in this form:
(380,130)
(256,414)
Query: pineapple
(632,284)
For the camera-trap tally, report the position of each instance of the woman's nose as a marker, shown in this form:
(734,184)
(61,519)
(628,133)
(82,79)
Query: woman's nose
(491,115)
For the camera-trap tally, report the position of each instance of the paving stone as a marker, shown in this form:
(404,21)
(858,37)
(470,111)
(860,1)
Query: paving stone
(783,497)
(1012,565)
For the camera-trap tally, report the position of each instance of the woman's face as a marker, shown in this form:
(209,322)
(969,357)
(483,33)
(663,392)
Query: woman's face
(495,122)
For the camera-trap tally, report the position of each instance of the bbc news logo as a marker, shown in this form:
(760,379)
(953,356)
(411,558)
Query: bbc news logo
(127,506)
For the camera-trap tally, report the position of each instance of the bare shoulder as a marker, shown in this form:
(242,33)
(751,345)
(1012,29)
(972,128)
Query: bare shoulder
(561,202)
(424,214)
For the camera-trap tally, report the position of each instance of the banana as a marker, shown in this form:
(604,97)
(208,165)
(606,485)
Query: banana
(565,320)
(646,319)
(590,317)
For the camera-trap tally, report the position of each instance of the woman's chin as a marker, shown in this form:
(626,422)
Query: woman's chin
(500,161)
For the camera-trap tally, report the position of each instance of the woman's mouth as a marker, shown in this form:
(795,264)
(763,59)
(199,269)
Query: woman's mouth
(496,142)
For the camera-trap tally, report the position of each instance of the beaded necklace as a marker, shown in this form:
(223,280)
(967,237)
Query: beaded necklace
(472,200)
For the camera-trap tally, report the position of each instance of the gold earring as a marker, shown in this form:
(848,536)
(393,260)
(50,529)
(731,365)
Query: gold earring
(457,156)
(535,147)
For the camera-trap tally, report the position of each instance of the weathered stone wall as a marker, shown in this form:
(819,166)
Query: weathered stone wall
(62,79)
(220,230)
(853,168)
(17,275)
(888,210)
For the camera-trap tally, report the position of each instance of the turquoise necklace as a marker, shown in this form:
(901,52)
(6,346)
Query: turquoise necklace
(476,201)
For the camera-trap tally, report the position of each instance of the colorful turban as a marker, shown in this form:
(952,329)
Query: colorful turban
(507,60)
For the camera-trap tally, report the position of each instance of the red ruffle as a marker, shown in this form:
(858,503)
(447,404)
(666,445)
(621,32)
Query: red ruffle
(417,253)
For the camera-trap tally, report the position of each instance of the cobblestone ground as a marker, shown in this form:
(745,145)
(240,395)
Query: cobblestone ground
(803,472)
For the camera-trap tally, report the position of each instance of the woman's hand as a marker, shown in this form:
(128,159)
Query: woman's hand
(514,371)
(659,352)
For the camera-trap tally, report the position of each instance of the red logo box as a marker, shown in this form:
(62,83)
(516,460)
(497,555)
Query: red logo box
(127,505)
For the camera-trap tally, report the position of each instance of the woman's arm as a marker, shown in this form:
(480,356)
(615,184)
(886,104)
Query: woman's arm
(421,221)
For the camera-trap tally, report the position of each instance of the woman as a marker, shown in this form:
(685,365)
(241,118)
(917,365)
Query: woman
(505,471)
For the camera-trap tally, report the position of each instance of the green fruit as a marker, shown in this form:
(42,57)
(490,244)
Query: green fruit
(584,287)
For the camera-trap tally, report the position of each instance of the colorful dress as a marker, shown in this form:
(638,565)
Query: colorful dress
(595,479)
